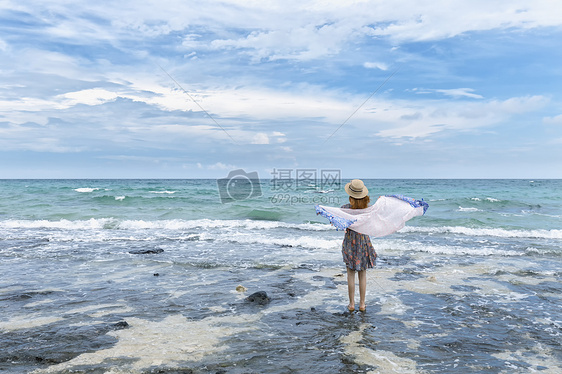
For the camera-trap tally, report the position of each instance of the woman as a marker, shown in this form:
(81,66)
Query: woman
(357,249)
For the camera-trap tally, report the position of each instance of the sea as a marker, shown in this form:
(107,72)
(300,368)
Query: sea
(192,276)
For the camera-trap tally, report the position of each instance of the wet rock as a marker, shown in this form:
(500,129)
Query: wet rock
(25,295)
(120,325)
(259,298)
(146,251)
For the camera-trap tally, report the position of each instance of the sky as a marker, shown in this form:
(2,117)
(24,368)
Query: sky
(198,89)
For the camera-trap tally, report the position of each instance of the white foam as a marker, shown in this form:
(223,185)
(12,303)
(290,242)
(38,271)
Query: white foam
(540,359)
(164,192)
(178,224)
(119,198)
(37,303)
(461,209)
(385,361)
(392,305)
(303,241)
(100,310)
(171,341)
(86,189)
(27,321)
(541,214)
(495,232)
(490,199)
(93,223)
(174,224)
(465,251)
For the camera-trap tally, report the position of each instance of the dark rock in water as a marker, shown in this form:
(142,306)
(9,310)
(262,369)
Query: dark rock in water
(120,325)
(26,295)
(146,251)
(259,298)
(156,274)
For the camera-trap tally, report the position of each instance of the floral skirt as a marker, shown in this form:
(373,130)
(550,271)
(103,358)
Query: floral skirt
(358,252)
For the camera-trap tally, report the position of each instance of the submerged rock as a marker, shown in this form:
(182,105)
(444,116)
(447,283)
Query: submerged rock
(119,325)
(259,298)
(146,251)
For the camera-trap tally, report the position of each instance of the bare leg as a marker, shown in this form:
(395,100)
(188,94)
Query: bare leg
(362,288)
(351,288)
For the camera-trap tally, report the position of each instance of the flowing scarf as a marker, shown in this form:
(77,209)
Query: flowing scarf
(389,214)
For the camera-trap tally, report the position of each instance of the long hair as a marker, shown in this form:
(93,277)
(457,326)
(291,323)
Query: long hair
(359,203)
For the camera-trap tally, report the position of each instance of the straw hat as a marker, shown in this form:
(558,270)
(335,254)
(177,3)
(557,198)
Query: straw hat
(356,189)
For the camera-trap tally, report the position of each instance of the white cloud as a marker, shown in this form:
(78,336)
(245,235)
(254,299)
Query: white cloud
(268,72)
(460,92)
(423,119)
(260,138)
(376,65)
(430,20)
(453,92)
(221,166)
(278,29)
(279,136)
(94,96)
(556,120)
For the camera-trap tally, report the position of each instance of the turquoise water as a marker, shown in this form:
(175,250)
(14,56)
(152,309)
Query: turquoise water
(510,204)
(473,286)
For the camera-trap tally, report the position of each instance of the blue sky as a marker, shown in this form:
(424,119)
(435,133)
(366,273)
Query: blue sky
(475,88)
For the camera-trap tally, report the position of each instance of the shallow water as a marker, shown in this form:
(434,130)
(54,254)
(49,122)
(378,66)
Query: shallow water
(455,291)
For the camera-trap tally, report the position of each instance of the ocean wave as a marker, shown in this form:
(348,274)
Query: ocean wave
(93,223)
(541,214)
(303,241)
(87,189)
(256,225)
(494,232)
(461,209)
(173,224)
(459,251)
(163,192)
(178,224)
(490,199)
